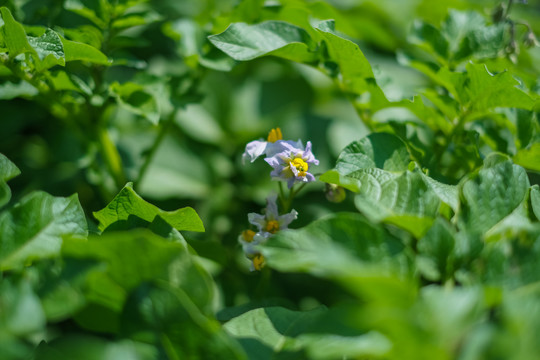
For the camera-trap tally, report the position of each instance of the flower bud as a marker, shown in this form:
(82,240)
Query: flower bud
(335,193)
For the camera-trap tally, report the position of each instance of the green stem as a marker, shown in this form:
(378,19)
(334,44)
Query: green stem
(111,156)
(155,146)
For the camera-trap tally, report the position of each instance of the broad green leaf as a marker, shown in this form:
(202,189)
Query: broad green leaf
(49,50)
(128,203)
(529,158)
(435,251)
(154,312)
(77,51)
(525,121)
(429,38)
(356,74)
(21,313)
(349,249)
(405,201)
(14,35)
(487,91)
(492,194)
(136,99)
(23,89)
(78,8)
(8,171)
(130,259)
(449,194)
(34,227)
(89,347)
(377,150)
(246,42)
(61,80)
(268,331)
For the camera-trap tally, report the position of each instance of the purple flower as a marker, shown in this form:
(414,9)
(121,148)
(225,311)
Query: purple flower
(271,222)
(257,148)
(291,163)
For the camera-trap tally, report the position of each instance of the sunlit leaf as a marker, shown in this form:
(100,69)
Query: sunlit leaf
(128,203)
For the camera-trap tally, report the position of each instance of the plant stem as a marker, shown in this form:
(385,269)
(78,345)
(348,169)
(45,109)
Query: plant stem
(111,156)
(152,151)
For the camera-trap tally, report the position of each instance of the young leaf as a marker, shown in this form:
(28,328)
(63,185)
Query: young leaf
(14,35)
(49,50)
(128,203)
(77,51)
(529,158)
(8,171)
(135,98)
(34,227)
(246,42)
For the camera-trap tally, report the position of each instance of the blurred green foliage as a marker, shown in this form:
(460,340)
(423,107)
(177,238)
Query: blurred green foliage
(122,130)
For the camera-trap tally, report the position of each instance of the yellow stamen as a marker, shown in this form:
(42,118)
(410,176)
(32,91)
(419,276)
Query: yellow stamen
(248,235)
(258,262)
(274,135)
(300,165)
(272,226)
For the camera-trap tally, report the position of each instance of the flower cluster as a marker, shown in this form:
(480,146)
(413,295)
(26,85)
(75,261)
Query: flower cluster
(290,162)
(267,224)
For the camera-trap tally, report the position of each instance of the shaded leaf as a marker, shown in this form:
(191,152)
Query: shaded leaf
(136,99)
(8,171)
(34,227)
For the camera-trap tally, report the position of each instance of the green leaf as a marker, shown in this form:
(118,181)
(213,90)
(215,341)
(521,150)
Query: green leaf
(356,73)
(405,201)
(377,150)
(492,194)
(487,91)
(157,312)
(436,251)
(14,35)
(128,203)
(23,89)
(267,331)
(429,38)
(8,171)
(246,42)
(529,158)
(88,346)
(77,51)
(535,200)
(134,98)
(49,50)
(78,8)
(130,259)
(34,227)
(21,313)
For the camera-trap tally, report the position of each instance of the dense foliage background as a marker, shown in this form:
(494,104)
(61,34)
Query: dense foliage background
(123,191)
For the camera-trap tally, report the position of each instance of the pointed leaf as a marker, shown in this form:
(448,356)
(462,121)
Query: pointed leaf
(8,171)
(77,51)
(34,227)
(14,35)
(128,203)
(133,97)
(246,42)
(529,158)
(49,50)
